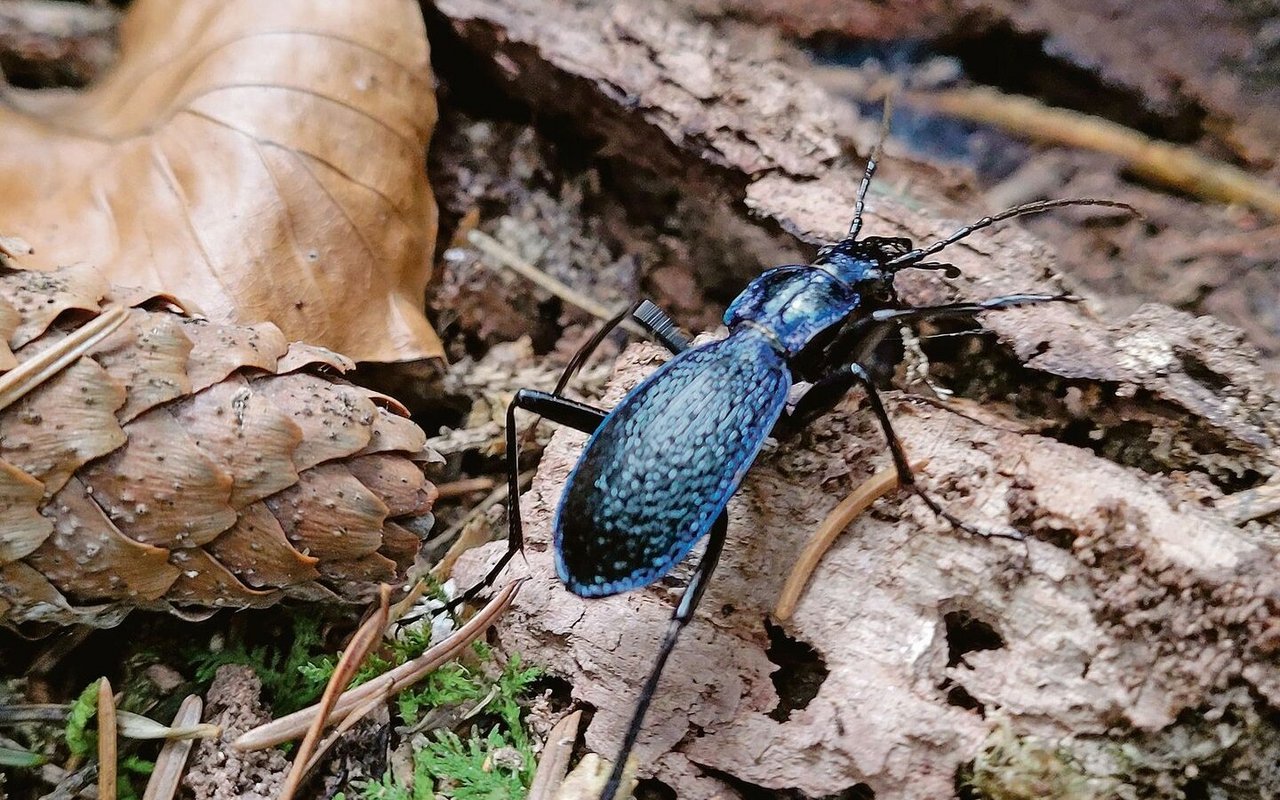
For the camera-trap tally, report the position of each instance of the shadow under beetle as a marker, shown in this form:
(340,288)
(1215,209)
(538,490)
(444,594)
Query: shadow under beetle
(659,469)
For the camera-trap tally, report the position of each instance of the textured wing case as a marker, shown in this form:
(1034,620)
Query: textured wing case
(665,462)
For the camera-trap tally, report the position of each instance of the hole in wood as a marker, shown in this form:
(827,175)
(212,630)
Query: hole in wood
(966,634)
(801,671)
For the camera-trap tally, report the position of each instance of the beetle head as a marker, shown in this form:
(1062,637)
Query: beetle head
(869,264)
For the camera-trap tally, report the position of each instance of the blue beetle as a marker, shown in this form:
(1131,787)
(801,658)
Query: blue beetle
(659,469)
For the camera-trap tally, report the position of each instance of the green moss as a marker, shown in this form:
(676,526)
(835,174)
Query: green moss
(280,667)
(491,761)
(80,740)
(1013,767)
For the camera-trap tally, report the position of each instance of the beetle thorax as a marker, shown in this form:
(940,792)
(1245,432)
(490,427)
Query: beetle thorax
(792,305)
(795,305)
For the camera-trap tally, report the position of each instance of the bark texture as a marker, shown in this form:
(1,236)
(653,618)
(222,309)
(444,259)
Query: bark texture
(1096,658)
(1207,68)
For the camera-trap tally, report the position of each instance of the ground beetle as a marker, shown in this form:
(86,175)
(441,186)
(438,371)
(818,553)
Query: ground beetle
(659,469)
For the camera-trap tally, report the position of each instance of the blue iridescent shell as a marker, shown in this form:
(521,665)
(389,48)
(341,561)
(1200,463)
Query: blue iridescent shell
(794,303)
(664,463)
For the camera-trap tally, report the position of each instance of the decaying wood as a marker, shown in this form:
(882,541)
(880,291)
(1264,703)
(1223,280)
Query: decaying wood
(1206,68)
(1107,639)
(1212,58)
(1178,168)
(218,771)
(175,463)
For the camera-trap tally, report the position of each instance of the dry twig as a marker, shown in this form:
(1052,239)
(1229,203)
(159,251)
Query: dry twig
(172,761)
(1180,168)
(107,741)
(858,501)
(512,261)
(463,487)
(554,764)
(33,372)
(389,684)
(361,644)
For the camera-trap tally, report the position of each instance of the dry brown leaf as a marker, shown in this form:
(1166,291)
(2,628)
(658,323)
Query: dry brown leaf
(265,162)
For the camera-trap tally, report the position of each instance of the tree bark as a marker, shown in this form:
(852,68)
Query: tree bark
(1128,648)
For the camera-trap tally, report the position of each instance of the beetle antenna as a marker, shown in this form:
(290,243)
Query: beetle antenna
(950,270)
(920,254)
(876,150)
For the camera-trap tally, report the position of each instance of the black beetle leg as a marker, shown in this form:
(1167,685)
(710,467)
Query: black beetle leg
(828,390)
(652,318)
(966,309)
(679,619)
(905,476)
(576,415)
(860,337)
(661,326)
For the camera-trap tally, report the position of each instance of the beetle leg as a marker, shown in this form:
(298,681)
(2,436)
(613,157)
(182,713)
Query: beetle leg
(821,398)
(905,476)
(860,337)
(661,326)
(648,315)
(679,619)
(576,415)
(828,390)
(653,319)
(919,314)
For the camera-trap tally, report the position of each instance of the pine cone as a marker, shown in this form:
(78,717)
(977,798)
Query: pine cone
(178,464)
